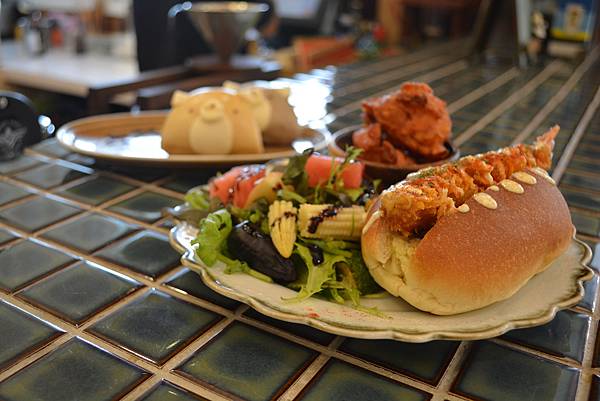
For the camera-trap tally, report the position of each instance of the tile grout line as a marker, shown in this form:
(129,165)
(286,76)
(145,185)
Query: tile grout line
(535,352)
(36,355)
(404,60)
(582,173)
(16,181)
(142,388)
(72,331)
(99,209)
(584,159)
(38,192)
(98,170)
(303,380)
(586,212)
(381,371)
(139,188)
(323,349)
(381,79)
(454,397)
(584,382)
(508,102)
(581,190)
(44,276)
(483,90)
(585,377)
(452,370)
(201,340)
(129,273)
(438,73)
(558,98)
(569,150)
(96,173)
(589,238)
(160,285)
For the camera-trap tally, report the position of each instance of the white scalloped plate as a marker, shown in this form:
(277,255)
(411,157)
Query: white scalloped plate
(558,287)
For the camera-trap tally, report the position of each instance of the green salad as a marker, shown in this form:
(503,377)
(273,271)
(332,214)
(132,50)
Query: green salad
(297,224)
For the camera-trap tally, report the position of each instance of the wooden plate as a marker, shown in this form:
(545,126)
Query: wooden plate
(135,139)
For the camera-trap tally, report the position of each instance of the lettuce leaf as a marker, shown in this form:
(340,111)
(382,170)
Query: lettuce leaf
(317,275)
(347,284)
(198,199)
(335,247)
(212,235)
(288,195)
(212,244)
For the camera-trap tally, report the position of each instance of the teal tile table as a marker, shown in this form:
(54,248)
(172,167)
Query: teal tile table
(94,304)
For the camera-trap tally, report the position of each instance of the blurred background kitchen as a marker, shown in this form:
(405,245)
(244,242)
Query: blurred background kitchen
(83,57)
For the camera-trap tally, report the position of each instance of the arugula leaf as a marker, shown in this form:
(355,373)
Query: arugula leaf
(360,274)
(238,266)
(335,247)
(295,173)
(335,180)
(348,284)
(332,190)
(257,214)
(317,275)
(334,294)
(288,195)
(376,184)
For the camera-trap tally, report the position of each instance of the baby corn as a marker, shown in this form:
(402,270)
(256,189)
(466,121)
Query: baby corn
(282,222)
(330,222)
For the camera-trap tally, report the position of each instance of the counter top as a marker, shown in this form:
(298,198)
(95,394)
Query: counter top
(61,71)
(94,303)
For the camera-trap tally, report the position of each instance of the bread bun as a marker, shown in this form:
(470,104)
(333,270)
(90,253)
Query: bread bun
(283,126)
(273,112)
(477,256)
(247,135)
(210,122)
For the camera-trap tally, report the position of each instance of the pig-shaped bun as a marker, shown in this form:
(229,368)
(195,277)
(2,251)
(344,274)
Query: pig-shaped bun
(283,127)
(210,122)
(274,114)
(255,96)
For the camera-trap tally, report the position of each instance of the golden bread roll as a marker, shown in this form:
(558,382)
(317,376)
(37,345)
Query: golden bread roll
(261,108)
(283,126)
(480,254)
(210,122)
(247,137)
(274,114)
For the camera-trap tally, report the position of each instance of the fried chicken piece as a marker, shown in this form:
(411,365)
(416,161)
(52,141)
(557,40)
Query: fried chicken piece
(413,118)
(413,206)
(377,149)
